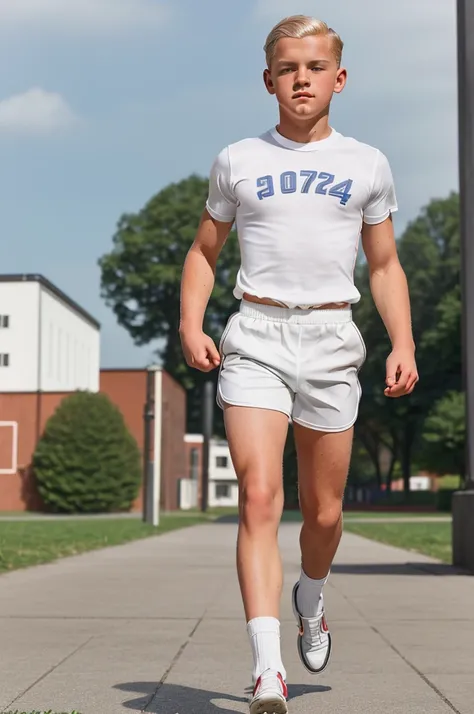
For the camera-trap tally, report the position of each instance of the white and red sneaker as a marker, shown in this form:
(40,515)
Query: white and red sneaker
(314,640)
(270,694)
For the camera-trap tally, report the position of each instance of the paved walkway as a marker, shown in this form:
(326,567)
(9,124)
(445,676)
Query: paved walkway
(157,626)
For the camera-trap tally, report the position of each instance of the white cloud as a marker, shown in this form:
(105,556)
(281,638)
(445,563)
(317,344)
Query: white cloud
(91,16)
(35,112)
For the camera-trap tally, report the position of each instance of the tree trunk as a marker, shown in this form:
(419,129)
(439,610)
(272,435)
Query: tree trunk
(368,439)
(406,457)
(393,461)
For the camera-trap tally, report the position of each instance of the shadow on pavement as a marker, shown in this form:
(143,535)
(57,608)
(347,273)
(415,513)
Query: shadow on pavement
(228,518)
(177,699)
(397,569)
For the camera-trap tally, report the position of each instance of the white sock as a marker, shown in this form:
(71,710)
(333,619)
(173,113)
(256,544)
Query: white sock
(308,595)
(264,634)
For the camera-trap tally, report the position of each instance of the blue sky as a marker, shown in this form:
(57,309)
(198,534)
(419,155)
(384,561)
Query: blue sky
(105,102)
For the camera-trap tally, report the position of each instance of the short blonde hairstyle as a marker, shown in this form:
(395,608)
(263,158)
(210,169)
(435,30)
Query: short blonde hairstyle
(298,26)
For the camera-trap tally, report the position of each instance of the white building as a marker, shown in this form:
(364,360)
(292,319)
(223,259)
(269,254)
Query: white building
(223,486)
(48,343)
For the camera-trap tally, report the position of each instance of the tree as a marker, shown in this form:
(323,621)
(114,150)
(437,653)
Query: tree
(141,280)
(444,436)
(429,251)
(87,461)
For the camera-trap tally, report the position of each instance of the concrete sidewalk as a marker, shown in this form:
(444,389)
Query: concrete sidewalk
(158,626)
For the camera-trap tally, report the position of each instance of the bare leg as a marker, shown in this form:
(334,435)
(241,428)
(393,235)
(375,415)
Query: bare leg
(256,440)
(323,465)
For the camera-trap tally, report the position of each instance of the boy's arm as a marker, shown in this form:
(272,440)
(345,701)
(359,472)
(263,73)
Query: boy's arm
(196,287)
(200,265)
(389,289)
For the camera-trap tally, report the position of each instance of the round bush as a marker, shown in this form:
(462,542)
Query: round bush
(87,461)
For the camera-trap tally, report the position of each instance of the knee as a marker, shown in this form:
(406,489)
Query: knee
(260,503)
(325,518)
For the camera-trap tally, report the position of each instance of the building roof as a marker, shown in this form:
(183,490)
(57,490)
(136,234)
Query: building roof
(45,283)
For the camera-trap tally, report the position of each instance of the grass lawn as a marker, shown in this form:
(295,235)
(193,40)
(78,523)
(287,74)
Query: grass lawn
(25,543)
(432,539)
(32,542)
(389,515)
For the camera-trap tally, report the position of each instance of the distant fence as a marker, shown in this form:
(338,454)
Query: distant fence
(368,497)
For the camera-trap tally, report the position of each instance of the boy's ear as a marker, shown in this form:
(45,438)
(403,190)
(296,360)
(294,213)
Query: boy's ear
(267,78)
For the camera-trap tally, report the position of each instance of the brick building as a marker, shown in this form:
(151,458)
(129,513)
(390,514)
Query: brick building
(49,348)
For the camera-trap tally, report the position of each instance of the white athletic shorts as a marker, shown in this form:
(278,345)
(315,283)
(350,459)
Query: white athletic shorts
(304,363)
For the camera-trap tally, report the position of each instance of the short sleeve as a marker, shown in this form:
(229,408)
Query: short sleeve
(382,200)
(221,202)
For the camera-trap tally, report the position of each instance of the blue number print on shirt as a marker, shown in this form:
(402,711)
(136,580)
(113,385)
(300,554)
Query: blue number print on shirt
(311,177)
(267,183)
(320,183)
(288,182)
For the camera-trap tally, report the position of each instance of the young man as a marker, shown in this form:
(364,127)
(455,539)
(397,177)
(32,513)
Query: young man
(301,195)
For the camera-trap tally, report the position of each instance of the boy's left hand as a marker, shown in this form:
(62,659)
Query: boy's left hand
(402,373)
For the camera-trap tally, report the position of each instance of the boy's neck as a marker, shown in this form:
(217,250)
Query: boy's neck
(315,130)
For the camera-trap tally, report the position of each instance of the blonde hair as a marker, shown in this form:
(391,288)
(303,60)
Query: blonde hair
(298,26)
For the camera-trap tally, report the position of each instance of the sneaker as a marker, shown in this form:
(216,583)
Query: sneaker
(270,694)
(314,640)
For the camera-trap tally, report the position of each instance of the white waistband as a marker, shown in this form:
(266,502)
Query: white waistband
(295,315)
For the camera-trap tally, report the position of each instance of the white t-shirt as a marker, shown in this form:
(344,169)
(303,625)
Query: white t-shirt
(298,210)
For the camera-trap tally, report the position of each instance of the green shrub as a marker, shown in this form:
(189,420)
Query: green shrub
(444,499)
(451,483)
(87,461)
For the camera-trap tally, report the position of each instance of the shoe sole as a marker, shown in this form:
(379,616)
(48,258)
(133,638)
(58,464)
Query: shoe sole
(299,641)
(303,661)
(270,705)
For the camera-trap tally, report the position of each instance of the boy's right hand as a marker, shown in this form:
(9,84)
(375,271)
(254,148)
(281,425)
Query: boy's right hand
(199,350)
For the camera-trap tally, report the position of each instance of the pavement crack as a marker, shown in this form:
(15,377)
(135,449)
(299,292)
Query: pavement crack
(50,670)
(173,662)
(417,671)
(402,656)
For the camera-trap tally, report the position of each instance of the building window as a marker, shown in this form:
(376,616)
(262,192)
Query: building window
(4,360)
(221,462)
(194,464)
(5,321)
(222,490)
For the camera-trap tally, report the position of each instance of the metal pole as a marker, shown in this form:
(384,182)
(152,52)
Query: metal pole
(463,502)
(148,416)
(466,178)
(207,428)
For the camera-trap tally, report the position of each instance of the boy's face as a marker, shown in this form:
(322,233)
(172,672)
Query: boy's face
(304,75)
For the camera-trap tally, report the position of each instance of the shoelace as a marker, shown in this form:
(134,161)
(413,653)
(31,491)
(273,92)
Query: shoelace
(313,632)
(268,680)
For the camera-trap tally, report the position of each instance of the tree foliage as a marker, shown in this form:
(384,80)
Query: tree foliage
(429,252)
(444,436)
(141,277)
(87,461)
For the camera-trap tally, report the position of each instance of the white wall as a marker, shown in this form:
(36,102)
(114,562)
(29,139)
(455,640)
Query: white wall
(70,348)
(222,477)
(220,473)
(62,356)
(20,302)
(215,499)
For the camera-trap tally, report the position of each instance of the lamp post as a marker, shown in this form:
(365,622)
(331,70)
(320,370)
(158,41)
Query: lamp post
(207,427)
